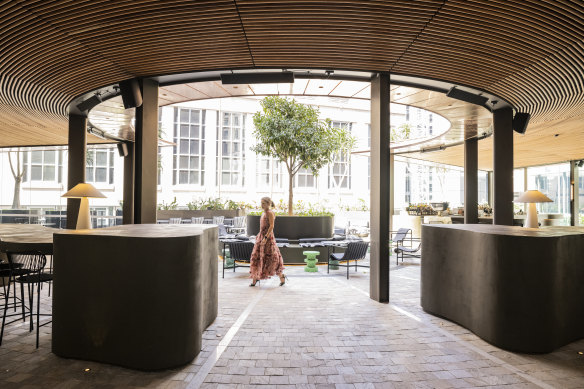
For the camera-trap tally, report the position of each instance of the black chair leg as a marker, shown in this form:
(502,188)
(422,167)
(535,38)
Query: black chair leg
(5,311)
(348,266)
(31,304)
(38,312)
(22,299)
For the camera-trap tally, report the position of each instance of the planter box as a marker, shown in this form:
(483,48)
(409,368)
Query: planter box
(296,227)
(187,213)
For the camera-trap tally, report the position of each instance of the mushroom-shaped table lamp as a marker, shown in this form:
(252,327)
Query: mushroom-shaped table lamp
(84,192)
(531,197)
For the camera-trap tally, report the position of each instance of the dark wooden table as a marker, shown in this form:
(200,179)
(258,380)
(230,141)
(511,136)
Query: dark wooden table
(24,237)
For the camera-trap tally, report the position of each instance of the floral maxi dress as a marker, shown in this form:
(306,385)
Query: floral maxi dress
(266,259)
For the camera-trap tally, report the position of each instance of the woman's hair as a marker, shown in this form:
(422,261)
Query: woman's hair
(269,201)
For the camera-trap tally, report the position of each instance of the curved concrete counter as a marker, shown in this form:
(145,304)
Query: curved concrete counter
(138,296)
(519,289)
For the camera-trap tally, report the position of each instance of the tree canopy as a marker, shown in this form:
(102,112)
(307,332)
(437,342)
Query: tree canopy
(294,134)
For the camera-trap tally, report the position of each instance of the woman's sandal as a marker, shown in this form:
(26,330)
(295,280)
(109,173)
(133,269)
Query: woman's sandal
(254,283)
(284,277)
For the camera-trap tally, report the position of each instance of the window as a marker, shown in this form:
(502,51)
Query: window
(369,158)
(304,179)
(340,169)
(188,164)
(159,155)
(231,148)
(43,165)
(269,172)
(554,182)
(99,166)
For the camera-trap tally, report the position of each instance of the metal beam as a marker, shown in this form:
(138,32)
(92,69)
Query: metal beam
(128,204)
(146,154)
(471,185)
(574,194)
(380,185)
(76,163)
(503,166)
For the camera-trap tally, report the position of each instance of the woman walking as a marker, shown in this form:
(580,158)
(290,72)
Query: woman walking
(266,259)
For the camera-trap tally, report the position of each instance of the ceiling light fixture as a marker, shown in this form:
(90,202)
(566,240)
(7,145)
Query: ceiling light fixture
(466,96)
(258,78)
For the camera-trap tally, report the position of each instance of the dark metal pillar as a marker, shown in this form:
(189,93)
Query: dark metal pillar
(76,163)
(128,205)
(503,166)
(471,177)
(380,195)
(574,195)
(146,154)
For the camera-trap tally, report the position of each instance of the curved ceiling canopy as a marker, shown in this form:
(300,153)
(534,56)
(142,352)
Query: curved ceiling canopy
(529,53)
(110,119)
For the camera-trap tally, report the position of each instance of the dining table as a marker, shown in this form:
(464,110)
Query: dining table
(26,237)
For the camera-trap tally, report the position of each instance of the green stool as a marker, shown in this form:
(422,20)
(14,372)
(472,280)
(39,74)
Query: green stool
(310,261)
(334,264)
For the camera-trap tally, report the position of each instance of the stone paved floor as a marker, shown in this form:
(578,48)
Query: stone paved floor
(318,331)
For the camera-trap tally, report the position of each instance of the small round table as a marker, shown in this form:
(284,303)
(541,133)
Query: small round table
(310,261)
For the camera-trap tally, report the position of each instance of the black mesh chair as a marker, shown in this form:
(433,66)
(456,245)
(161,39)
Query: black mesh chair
(355,251)
(401,249)
(238,252)
(26,268)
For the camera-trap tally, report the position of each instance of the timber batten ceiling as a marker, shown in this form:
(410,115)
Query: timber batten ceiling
(530,53)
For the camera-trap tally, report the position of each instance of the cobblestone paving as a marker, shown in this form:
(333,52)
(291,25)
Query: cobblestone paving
(317,331)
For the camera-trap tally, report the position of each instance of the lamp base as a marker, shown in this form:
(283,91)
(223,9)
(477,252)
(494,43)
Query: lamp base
(84,218)
(531,221)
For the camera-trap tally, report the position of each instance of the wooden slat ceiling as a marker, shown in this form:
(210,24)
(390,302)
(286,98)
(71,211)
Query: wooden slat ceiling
(531,53)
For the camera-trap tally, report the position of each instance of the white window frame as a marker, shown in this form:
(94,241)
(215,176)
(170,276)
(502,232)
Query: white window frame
(91,166)
(274,172)
(57,164)
(340,181)
(230,163)
(195,172)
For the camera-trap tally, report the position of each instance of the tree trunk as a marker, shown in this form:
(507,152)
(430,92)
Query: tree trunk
(16,198)
(290,193)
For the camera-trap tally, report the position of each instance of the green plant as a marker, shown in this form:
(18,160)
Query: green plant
(300,209)
(232,205)
(360,206)
(401,133)
(293,133)
(212,204)
(194,205)
(167,207)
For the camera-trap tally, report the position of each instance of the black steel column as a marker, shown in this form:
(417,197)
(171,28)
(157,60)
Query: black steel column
(380,196)
(146,154)
(128,204)
(76,163)
(574,194)
(503,166)
(471,184)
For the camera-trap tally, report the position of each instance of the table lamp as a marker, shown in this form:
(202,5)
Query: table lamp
(531,197)
(84,192)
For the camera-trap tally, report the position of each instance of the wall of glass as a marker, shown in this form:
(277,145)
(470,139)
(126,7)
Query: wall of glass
(418,182)
(581,196)
(33,179)
(554,182)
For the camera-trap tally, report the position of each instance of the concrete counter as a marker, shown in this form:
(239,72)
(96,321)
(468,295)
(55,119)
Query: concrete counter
(138,296)
(519,289)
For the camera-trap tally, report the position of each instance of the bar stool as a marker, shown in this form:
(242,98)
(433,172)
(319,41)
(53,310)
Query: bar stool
(26,268)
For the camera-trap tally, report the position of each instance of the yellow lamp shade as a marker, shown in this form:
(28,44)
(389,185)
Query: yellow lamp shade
(533,196)
(83,190)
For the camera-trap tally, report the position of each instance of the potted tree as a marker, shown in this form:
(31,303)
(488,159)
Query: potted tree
(294,134)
